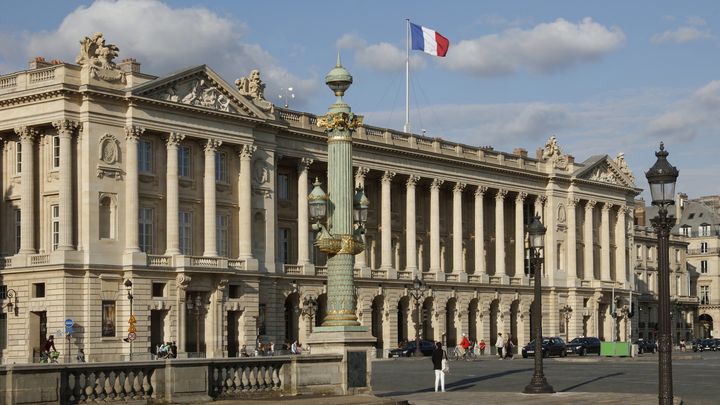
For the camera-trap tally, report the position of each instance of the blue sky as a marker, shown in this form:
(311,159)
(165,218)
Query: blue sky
(604,77)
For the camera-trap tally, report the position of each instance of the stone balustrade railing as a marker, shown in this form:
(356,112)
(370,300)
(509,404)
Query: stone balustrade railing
(159,260)
(237,264)
(177,380)
(293,268)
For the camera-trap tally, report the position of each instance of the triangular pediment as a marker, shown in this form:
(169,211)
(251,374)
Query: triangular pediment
(199,87)
(602,169)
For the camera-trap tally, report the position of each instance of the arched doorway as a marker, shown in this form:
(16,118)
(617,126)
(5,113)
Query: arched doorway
(472,319)
(428,332)
(376,328)
(292,317)
(706,326)
(403,320)
(494,310)
(514,310)
(451,333)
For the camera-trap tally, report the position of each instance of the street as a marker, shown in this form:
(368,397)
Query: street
(694,375)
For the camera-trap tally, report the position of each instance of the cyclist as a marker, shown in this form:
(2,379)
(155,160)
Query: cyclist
(465,344)
(45,349)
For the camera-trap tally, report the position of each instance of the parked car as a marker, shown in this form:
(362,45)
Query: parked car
(408,349)
(583,345)
(646,346)
(551,346)
(707,345)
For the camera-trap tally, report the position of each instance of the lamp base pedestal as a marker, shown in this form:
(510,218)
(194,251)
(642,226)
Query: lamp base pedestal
(538,385)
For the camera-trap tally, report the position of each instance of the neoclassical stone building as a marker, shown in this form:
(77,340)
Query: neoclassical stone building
(196,191)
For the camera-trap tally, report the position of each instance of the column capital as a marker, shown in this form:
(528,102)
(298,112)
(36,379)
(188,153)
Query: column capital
(305,163)
(174,139)
(412,180)
(26,134)
(480,191)
(623,209)
(133,132)
(521,196)
(65,127)
(590,204)
(246,151)
(572,202)
(607,207)
(459,187)
(541,198)
(211,145)
(436,183)
(500,194)
(360,173)
(387,176)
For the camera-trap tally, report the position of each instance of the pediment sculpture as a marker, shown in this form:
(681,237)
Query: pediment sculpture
(553,153)
(98,57)
(253,88)
(198,92)
(623,166)
(603,174)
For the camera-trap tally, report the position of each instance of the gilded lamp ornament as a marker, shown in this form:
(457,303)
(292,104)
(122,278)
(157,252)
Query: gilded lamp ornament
(328,243)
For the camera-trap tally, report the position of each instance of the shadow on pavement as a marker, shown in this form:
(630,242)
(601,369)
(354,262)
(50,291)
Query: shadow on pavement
(455,386)
(591,381)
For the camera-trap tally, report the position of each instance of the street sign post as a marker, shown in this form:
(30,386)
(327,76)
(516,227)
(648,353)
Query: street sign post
(131,336)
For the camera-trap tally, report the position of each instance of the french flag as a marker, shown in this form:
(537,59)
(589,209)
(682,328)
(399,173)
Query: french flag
(428,40)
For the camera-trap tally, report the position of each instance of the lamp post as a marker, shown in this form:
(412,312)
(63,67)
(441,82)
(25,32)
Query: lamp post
(11,296)
(287,95)
(197,307)
(662,177)
(566,313)
(310,306)
(128,286)
(536,237)
(417,292)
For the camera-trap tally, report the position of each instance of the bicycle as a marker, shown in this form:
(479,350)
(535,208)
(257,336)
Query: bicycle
(51,357)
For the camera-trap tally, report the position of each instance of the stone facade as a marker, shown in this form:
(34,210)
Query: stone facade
(196,191)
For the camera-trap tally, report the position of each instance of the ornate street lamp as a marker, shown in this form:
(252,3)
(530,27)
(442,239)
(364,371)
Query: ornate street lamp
(566,313)
(536,239)
(11,296)
(310,306)
(417,291)
(128,285)
(662,177)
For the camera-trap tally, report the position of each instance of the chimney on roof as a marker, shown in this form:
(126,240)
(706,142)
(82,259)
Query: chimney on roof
(639,212)
(129,65)
(680,201)
(37,63)
(520,152)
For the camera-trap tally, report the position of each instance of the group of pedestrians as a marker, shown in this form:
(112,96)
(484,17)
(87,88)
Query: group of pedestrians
(504,347)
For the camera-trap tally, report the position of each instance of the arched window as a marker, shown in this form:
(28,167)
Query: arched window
(106,220)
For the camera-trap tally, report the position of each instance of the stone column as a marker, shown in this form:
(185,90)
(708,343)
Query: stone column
(571,240)
(27,189)
(500,233)
(210,205)
(410,220)
(173,196)
(65,130)
(457,228)
(132,200)
(480,268)
(181,282)
(435,225)
(605,243)
(303,220)
(588,262)
(361,258)
(519,235)
(386,255)
(245,202)
(621,243)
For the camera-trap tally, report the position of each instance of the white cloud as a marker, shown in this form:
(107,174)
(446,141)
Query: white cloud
(547,47)
(692,117)
(681,35)
(164,39)
(382,56)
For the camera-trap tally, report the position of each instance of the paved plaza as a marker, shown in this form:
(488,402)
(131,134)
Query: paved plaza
(485,381)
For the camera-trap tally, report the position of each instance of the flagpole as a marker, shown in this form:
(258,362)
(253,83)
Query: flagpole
(406,128)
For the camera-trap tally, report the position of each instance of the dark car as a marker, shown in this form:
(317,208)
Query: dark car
(583,345)
(707,345)
(551,346)
(646,346)
(408,349)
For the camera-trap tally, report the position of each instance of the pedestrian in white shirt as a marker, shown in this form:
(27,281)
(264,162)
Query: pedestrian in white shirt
(499,344)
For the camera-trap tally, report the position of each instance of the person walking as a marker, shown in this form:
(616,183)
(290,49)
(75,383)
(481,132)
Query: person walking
(438,355)
(482,346)
(500,344)
(509,348)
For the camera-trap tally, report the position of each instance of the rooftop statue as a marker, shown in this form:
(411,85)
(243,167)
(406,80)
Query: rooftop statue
(624,168)
(95,53)
(553,153)
(253,88)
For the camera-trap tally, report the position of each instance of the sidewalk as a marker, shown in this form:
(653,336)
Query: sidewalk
(512,398)
(316,400)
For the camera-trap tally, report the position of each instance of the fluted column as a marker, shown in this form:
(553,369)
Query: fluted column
(605,242)
(245,202)
(65,130)
(571,239)
(410,220)
(210,205)
(361,258)
(480,268)
(500,233)
(621,243)
(173,196)
(435,225)
(27,179)
(588,262)
(303,219)
(132,200)
(519,235)
(457,228)
(386,225)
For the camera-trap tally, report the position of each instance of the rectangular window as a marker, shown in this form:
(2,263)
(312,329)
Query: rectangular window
(158,289)
(18,228)
(222,232)
(235,291)
(221,170)
(145,153)
(677,285)
(685,230)
(3,292)
(677,255)
(3,331)
(18,157)
(649,252)
(145,231)
(55,152)
(184,161)
(704,230)
(38,290)
(185,232)
(283,187)
(703,266)
(55,217)
(704,294)
(108,318)
(703,247)
(284,245)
